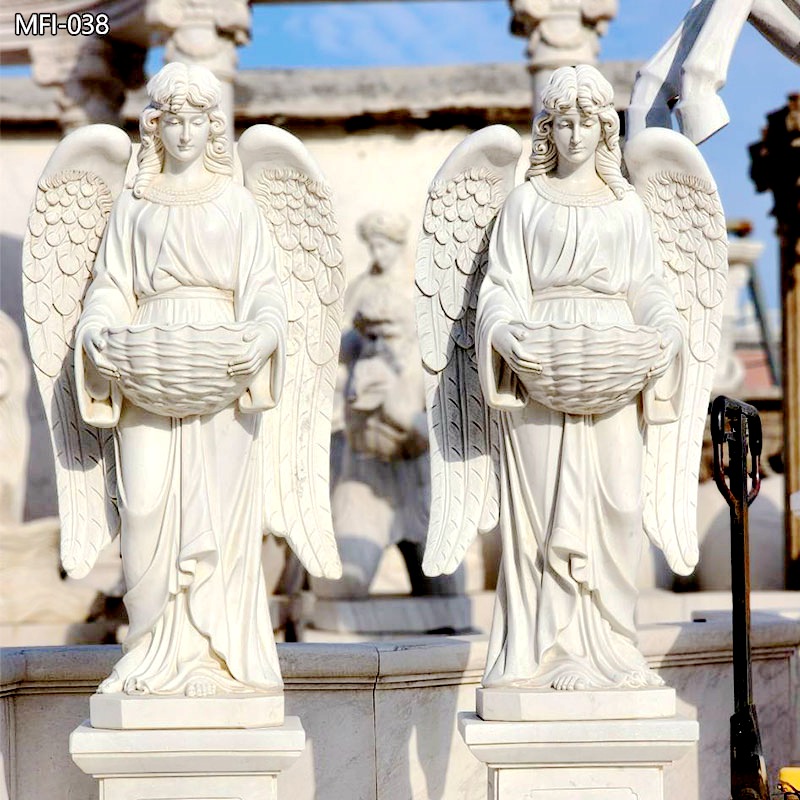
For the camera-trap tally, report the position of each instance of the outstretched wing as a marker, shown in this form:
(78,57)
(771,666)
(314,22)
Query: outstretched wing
(65,226)
(296,202)
(463,202)
(676,185)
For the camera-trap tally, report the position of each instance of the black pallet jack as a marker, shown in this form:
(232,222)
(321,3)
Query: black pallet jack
(738,425)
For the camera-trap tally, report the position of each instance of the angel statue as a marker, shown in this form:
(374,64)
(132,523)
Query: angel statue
(568,329)
(185,333)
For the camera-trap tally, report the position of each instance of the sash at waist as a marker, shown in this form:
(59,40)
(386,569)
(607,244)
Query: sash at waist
(189,293)
(575,293)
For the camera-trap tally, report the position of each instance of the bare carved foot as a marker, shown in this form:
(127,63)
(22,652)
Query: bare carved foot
(569,682)
(200,687)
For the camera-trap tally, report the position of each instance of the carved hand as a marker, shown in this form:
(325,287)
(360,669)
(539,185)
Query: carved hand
(262,340)
(671,345)
(509,340)
(94,343)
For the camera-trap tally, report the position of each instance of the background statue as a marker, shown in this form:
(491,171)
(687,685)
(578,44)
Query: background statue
(197,415)
(14,429)
(569,374)
(692,66)
(381,494)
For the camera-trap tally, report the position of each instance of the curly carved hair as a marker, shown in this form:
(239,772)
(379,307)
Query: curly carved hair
(585,89)
(383,223)
(172,88)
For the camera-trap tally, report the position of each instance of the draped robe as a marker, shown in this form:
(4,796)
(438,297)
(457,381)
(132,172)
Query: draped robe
(190,490)
(570,485)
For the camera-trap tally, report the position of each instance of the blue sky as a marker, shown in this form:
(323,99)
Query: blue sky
(394,33)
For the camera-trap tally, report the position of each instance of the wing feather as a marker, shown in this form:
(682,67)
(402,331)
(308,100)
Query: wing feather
(675,184)
(296,202)
(463,201)
(66,223)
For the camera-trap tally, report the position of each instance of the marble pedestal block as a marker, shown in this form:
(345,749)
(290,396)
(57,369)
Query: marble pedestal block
(187,764)
(578,760)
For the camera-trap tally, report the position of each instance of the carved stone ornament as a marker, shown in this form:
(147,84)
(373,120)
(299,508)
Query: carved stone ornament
(185,334)
(561,32)
(692,66)
(201,31)
(569,329)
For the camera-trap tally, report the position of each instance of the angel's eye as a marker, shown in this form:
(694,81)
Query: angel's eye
(589,122)
(197,123)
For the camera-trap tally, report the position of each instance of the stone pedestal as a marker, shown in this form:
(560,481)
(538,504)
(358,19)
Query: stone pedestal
(578,759)
(187,764)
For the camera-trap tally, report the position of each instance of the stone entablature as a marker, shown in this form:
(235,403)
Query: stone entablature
(428,97)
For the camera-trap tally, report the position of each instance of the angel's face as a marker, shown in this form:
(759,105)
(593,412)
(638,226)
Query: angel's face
(184,133)
(576,136)
(384,251)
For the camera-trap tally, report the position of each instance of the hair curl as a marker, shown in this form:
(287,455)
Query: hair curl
(172,88)
(383,223)
(580,88)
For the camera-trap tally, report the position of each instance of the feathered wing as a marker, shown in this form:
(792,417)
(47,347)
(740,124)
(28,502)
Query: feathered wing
(689,224)
(296,202)
(463,201)
(65,226)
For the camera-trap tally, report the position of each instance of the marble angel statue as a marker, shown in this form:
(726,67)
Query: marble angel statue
(568,329)
(185,334)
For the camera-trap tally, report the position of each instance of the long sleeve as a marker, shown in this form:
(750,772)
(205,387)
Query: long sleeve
(259,298)
(505,296)
(110,300)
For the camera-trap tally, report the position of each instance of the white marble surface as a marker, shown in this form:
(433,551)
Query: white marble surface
(182,764)
(520,704)
(592,759)
(120,711)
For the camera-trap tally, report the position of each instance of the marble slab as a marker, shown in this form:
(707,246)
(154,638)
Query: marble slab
(520,704)
(118,711)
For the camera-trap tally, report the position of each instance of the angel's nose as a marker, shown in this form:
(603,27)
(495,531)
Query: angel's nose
(186,133)
(576,136)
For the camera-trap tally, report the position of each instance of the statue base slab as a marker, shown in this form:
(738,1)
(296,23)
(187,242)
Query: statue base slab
(511,704)
(578,760)
(187,764)
(117,711)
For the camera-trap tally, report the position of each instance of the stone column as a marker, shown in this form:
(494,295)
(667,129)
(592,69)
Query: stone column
(92,75)
(205,33)
(776,167)
(560,33)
